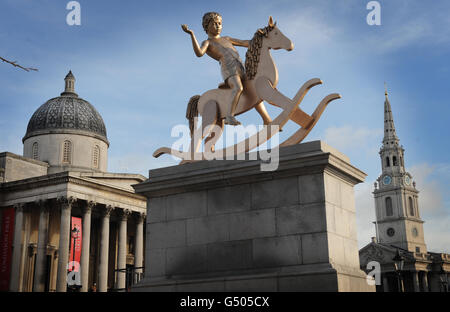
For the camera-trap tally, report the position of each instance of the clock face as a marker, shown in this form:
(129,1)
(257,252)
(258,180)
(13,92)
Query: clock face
(390,232)
(407,180)
(387,180)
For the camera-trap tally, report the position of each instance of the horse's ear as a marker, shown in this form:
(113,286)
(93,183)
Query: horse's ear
(261,31)
(271,21)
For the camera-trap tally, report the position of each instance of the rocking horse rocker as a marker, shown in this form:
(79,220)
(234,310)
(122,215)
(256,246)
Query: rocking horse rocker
(258,85)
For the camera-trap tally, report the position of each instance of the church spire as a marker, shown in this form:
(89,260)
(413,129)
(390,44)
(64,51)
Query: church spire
(396,197)
(390,136)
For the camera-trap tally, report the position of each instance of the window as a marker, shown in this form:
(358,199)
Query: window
(394,161)
(418,249)
(387,162)
(411,206)
(35,151)
(96,156)
(389,211)
(67,152)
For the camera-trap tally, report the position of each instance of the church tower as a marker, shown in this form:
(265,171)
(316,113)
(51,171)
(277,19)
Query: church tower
(398,221)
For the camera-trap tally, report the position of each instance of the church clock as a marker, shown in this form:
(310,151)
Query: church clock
(407,180)
(387,179)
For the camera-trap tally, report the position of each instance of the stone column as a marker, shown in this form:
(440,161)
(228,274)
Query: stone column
(85,245)
(385,283)
(104,250)
(64,242)
(448,278)
(32,250)
(139,244)
(122,258)
(39,275)
(416,281)
(55,276)
(17,248)
(425,281)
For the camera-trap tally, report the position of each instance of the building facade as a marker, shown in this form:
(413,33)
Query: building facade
(64,220)
(399,227)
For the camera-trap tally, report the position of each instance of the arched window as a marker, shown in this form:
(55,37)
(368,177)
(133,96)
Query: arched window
(394,161)
(387,162)
(389,211)
(35,151)
(67,152)
(411,206)
(96,157)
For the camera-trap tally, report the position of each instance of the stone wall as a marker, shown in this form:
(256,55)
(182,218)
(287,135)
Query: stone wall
(16,167)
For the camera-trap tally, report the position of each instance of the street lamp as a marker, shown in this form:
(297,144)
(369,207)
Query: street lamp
(399,261)
(443,278)
(75,231)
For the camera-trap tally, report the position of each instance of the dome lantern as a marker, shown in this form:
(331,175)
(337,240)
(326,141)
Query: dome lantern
(69,85)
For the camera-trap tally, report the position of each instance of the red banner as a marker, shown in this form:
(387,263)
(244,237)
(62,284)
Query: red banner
(75,244)
(6,244)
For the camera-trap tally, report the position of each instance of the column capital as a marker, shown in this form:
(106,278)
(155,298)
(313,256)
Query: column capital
(107,211)
(125,214)
(32,249)
(19,207)
(140,216)
(44,204)
(89,206)
(66,201)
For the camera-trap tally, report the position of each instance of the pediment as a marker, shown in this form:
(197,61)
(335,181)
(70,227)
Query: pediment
(376,252)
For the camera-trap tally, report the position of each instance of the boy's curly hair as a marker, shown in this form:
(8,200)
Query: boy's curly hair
(207,18)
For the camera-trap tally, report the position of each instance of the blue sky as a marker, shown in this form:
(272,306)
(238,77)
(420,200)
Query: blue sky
(133,62)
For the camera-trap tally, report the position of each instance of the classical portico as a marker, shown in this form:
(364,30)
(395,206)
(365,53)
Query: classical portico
(40,254)
(62,177)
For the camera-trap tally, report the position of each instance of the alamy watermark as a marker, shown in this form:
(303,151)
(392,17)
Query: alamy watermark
(74,16)
(73,277)
(374,16)
(230,146)
(374,276)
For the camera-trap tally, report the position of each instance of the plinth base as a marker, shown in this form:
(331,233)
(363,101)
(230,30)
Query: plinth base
(228,226)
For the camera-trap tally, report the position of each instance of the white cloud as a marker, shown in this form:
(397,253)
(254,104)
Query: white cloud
(403,35)
(430,197)
(347,138)
(432,183)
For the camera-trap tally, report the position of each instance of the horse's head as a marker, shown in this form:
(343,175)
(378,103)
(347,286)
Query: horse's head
(276,39)
(269,37)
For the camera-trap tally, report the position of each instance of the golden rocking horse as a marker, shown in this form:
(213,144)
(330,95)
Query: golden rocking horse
(260,85)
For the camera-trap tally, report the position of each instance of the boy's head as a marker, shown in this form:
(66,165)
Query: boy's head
(212,22)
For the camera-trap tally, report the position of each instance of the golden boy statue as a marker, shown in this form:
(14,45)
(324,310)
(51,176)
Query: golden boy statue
(222,49)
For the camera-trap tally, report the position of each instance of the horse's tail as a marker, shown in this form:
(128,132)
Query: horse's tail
(192,112)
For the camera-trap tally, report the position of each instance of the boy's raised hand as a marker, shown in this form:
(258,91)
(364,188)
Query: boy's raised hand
(186,29)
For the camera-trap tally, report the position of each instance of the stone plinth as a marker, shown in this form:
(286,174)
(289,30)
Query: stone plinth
(228,226)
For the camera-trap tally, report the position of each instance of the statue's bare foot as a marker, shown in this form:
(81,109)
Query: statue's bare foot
(230,120)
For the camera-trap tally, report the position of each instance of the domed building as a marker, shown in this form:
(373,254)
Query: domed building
(68,133)
(66,222)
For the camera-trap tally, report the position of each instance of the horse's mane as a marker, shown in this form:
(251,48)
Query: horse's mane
(254,51)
